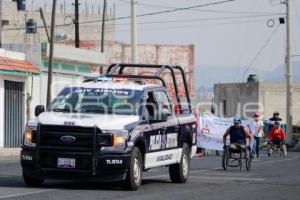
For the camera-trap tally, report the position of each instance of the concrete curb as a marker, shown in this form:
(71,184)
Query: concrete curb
(6,152)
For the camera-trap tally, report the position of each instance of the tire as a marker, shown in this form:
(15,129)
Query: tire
(269,150)
(32,182)
(134,174)
(284,150)
(248,163)
(225,159)
(179,172)
(241,165)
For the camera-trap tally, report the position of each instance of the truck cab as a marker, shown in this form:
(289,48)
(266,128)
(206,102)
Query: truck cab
(110,128)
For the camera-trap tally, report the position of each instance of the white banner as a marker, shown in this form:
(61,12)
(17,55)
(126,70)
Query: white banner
(211,130)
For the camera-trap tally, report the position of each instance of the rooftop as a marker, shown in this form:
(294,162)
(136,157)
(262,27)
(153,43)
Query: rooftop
(14,63)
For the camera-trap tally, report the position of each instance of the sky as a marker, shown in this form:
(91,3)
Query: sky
(231,34)
(228,42)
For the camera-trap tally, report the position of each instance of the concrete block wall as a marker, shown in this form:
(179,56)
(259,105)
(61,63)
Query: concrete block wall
(273,97)
(241,99)
(268,97)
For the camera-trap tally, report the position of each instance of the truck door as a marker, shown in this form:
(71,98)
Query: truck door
(169,129)
(163,138)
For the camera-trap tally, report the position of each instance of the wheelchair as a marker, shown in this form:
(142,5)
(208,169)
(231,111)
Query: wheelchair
(233,157)
(277,147)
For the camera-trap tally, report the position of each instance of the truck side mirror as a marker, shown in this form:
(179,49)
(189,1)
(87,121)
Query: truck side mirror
(38,110)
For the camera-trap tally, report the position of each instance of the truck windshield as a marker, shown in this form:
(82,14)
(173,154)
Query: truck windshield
(98,100)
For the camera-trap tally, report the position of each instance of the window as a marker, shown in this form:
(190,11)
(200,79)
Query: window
(98,100)
(151,106)
(84,69)
(156,102)
(163,101)
(68,67)
(46,65)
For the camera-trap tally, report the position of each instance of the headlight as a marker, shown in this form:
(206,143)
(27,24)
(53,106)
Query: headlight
(119,138)
(29,137)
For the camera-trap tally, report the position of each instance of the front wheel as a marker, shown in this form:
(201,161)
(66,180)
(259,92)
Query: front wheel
(32,182)
(248,163)
(179,173)
(225,159)
(134,174)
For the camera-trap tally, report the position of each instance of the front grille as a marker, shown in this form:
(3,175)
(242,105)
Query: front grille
(51,138)
(52,147)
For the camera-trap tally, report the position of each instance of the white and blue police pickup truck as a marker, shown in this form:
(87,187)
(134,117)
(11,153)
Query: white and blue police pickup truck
(111,128)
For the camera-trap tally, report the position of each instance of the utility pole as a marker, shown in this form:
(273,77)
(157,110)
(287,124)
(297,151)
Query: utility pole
(289,96)
(103,26)
(49,85)
(45,24)
(133,34)
(1,24)
(76,22)
(103,31)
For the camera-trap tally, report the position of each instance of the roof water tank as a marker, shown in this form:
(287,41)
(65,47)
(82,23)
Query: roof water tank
(21,5)
(31,26)
(252,78)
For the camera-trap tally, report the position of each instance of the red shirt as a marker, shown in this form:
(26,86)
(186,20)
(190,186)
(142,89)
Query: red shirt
(277,134)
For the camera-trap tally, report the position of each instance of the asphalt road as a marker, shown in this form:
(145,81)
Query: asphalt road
(270,178)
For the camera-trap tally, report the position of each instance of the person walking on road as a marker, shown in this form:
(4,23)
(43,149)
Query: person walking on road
(258,134)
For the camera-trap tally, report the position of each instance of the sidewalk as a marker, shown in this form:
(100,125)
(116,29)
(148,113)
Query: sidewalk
(7,152)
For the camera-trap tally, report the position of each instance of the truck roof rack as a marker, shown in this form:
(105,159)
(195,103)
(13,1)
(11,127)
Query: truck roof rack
(117,70)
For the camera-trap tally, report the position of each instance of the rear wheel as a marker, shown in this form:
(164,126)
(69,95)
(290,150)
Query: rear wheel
(32,182)
(269,150)
(134,174)
(179,173)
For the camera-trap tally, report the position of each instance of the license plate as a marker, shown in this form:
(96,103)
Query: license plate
(68,163)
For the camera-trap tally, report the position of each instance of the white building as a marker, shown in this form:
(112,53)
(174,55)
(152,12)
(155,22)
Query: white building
(23,85)
(15,74)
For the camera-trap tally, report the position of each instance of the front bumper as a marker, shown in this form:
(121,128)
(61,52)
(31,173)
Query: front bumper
(101,167)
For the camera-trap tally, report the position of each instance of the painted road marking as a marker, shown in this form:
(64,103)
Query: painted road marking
(228,178)
(213,177)
(278,161)
(26,193)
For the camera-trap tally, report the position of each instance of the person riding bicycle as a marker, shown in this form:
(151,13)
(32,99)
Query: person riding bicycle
(277,134)
(238,135)
(276,117)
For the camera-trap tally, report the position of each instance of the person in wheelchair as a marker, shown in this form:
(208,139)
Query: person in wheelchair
(238,135)
(277,135)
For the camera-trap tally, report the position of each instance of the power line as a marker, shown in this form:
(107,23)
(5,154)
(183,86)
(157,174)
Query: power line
(168,21)
(165,11)
(201,10)
(146,14)
(260,51)
(189,26)
(199,19)
(194,26)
